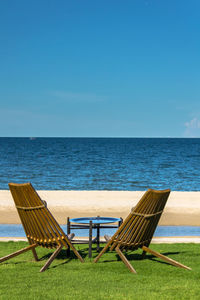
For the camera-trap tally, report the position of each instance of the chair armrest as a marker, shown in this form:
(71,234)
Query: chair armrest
(70,236)
(107,237)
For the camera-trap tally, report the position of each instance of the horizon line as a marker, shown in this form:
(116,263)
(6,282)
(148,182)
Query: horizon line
(103,137)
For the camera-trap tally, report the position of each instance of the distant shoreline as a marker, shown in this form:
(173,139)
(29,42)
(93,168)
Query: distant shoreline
(182,208)
(100,137)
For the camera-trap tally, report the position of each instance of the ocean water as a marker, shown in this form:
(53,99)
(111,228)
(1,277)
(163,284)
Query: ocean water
(101,163)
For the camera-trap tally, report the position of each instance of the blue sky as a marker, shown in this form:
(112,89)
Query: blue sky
(100,68)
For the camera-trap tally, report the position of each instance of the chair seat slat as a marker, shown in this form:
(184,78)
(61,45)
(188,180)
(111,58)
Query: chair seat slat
(147,215)
(30,208)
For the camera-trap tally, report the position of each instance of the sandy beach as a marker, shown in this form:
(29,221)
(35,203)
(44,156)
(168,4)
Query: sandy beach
(182,208)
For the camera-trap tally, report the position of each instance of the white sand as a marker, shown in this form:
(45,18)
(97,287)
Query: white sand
(182,208)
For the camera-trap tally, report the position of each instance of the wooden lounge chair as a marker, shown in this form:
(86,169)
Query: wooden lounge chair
(138,228)
(40,226)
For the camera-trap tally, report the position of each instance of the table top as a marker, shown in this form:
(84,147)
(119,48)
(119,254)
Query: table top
(95,220)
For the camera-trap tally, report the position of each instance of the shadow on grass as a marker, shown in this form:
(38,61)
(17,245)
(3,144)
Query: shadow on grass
(10,262)
(63,255)
(138,257)
(152,257)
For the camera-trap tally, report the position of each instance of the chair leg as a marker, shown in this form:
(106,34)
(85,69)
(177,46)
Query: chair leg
(70,236)
(52,257)
(30,247)
(35,254)
(102,252)
(125,260)
(143,255)
(68,251)
(165,258)
(69,244)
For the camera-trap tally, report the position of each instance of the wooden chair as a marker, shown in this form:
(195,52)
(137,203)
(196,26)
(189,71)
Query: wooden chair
(138,228)
(40,226)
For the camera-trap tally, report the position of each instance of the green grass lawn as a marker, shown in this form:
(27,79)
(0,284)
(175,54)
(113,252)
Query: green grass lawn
(108,279)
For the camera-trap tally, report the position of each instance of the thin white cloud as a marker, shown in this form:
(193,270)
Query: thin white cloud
(192,128)
(77,97)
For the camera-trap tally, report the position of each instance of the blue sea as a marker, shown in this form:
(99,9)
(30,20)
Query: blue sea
(101,163)
(16,230)
(130,164)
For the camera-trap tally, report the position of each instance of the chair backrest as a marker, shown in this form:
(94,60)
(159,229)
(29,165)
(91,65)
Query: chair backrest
(39,224)
(138,228)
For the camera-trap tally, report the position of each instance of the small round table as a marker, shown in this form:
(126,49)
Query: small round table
(90,223)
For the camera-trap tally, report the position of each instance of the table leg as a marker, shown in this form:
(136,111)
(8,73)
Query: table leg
(68,226)
(90,240)
(120,222)
(98,236)
(68,232)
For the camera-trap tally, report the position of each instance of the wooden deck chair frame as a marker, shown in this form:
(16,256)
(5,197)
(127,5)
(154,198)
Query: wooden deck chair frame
(138,228)
(39,225)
